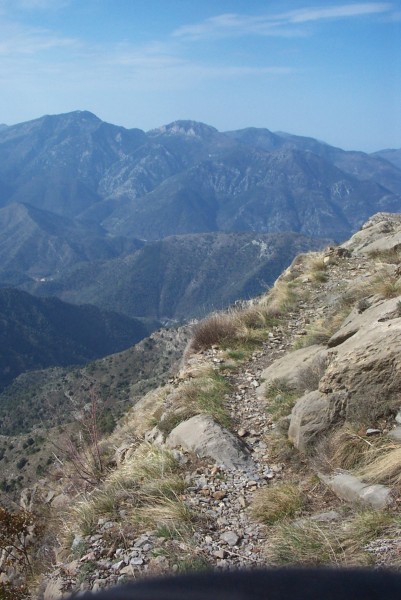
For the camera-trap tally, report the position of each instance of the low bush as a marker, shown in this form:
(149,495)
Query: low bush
(218,329)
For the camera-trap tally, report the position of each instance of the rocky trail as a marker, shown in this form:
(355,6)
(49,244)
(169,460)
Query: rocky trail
(227,535)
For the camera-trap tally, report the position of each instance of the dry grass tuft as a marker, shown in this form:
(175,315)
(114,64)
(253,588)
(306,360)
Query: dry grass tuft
(391,255)
(319,332)
(281,299)
(387,286)
(218,329)
(348,449)
(310,543)
(148,485)
(277,502)
(281,398)
(385,467)
(201,395)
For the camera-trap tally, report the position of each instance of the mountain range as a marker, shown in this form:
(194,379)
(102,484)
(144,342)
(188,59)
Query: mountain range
(186,177)
(166,224)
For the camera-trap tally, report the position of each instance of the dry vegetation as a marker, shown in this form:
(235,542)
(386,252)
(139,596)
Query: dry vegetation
(277,502)
(201,395)
(147,486)
(342,544)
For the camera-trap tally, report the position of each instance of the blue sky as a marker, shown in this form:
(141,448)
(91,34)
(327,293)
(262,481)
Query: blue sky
(330,70)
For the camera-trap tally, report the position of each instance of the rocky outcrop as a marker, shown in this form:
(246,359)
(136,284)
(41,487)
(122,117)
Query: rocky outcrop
(202,435)
(313,414)
(353,392)
(380,232)
(367,366)
(292,368)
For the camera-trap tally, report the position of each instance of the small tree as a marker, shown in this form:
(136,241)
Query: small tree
(82,450)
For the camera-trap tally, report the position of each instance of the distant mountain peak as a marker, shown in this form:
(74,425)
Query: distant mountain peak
(80,114)
(193,129)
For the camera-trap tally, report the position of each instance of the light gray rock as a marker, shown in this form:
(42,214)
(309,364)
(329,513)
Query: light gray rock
(312,414)
(326,517)
(202,435)
(291,366)
(376,233)
(230,538)
(154,436)
(350,488)
(379,311)
(61,501)
(395,434)
(368,364)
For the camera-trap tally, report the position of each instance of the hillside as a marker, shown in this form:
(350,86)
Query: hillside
(180,277)
(35,243)
(277,442)
(36,333)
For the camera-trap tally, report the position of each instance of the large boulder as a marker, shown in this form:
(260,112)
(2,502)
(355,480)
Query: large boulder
(291,367)
(313,414)
(367,366)
(378,311)
(202,435)
(380,232)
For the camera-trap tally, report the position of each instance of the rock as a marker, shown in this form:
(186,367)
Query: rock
(350,488)
(376,234)
(124,452)
(202,435)
(78,539)
(291,366)
(219,495)
(230,538)
(311,415)
(326,517)
(395,434)
(154,436)
(380,310)
(28,497)
(372,431)
(61,501)
(368,364)
(50,496)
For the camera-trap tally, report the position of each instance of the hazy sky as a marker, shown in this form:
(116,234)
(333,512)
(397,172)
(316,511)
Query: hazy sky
(330,70)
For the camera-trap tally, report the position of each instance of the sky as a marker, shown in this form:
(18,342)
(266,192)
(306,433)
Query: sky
(329,70)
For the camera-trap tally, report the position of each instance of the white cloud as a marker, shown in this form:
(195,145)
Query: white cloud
(338,12)
(16,40)
(281,24)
